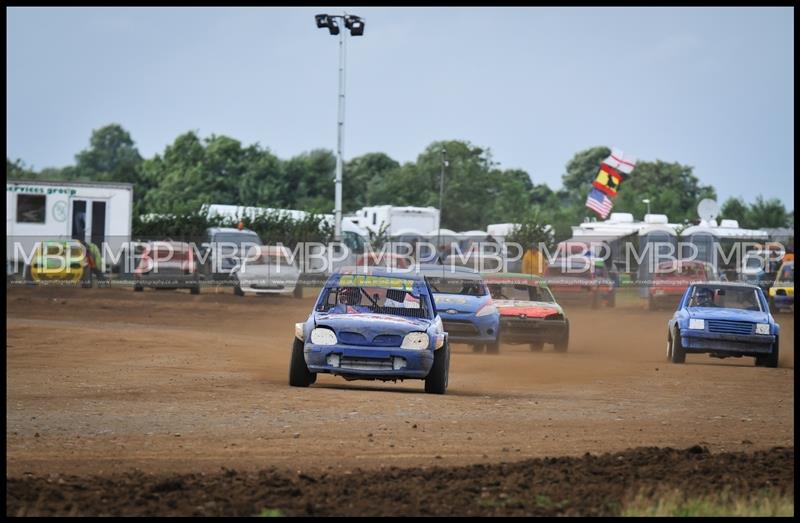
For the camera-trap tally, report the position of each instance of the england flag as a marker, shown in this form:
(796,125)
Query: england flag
(619,161)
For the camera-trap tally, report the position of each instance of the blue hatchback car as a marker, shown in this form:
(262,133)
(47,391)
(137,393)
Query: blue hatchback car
(723,319)
(373,324)
(465,305)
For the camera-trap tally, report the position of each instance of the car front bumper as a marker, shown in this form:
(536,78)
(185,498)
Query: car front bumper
(517,330)
(729,343)
(469,328)
(368,362)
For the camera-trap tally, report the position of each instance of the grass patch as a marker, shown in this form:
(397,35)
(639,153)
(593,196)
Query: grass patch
(271,513)
(675,503)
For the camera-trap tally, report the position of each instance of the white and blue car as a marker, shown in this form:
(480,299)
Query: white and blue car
(373,324)
(723,319)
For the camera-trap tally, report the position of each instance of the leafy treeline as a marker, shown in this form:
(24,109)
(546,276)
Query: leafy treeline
(193,171)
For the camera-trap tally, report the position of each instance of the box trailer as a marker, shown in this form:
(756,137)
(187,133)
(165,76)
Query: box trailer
(97,212)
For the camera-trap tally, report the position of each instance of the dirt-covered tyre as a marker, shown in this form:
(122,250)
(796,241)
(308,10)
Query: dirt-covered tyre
(669,346)
(86,279)
(477,348)
(678,352)
(138,287)
(298,291)
(195,288)
(769,360)
(436,381)
(536,346)
(563,344)
(299,375)
(237,290)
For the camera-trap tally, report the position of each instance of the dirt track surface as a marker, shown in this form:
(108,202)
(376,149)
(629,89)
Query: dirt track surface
(108,380)
(589,486)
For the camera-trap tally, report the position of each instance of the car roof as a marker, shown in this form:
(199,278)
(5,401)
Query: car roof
(379,270)
(717,283)
(436,270)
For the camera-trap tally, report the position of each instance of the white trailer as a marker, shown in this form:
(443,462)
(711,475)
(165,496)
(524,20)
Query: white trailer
(397,219)
(97,212)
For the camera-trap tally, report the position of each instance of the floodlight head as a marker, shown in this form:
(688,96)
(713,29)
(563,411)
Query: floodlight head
(322,20)
(355,24)
(333,26)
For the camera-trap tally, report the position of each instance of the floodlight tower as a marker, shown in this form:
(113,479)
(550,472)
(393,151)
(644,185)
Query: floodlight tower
(356,26)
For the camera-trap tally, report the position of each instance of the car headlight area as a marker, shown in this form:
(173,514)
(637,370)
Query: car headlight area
(697,324)
(322,336)
(762,328)
(415,340)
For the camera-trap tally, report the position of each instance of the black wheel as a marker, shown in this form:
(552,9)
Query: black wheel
(536,346)
(137,287)
(299,375)
(237,290)
(478,348)
(678,352)
(86,279)
(563,344)
(494,347)
(194,289)
(298,291)
(436,381)
(771,359)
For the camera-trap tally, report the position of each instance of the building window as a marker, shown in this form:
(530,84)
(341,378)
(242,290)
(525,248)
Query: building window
(31,208)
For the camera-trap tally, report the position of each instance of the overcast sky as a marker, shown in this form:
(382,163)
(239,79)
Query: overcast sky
(712,88)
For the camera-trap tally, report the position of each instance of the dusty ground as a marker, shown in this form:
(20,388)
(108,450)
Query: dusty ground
(588,486)
(108,380)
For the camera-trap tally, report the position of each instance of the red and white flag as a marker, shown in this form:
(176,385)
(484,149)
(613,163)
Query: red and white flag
(619,161)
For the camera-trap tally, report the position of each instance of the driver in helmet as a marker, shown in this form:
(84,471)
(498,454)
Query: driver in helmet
(704,297)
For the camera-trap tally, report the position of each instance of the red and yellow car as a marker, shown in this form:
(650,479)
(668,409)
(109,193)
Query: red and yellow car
(528,311)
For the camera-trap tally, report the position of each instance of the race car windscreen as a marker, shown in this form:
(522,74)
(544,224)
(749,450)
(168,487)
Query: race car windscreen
(398,299)
(520,292)
(455,285)
(725,298)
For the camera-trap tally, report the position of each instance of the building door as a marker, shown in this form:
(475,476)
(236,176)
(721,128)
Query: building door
(98,233)
(79,219)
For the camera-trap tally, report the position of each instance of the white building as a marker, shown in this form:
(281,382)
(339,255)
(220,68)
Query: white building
(97,212)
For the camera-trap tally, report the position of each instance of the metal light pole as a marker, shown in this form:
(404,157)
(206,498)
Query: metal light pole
(647,201)
(441,198)
(356,26)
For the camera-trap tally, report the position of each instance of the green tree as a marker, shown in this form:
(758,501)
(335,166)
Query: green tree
(17,170)
(112,156)
(734,209)
(672,189)
(358,172)
(767,213)
(582,170)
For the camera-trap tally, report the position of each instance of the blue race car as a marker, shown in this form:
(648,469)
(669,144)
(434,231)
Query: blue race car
(372,324)
(724,320)
(465,305)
